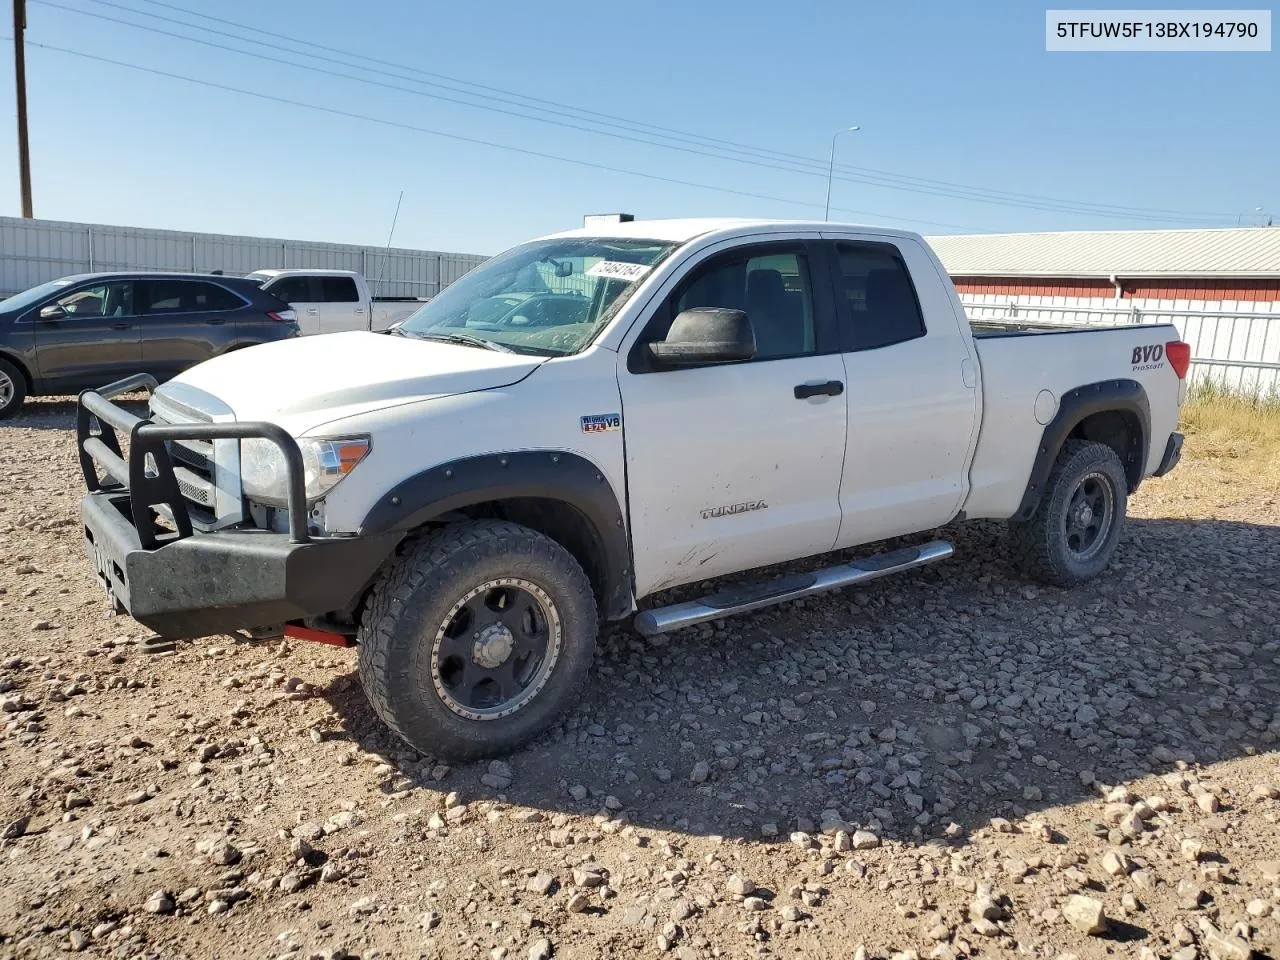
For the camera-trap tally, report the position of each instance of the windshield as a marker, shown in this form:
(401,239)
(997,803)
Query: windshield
(550,297)
(20,301)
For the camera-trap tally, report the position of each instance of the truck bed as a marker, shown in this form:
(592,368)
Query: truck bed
(987,329)
(1025,378)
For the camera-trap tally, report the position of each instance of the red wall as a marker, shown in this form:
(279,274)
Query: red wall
(1188,289)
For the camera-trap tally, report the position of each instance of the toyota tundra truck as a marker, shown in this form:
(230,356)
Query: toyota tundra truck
(591,419)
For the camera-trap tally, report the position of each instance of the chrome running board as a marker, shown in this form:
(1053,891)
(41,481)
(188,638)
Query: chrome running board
(752,596)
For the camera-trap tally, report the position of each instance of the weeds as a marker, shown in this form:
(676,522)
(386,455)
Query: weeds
(1228,427)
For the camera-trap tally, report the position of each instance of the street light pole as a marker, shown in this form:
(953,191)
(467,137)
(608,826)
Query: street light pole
(20,88)
(831,167)
(1242,215)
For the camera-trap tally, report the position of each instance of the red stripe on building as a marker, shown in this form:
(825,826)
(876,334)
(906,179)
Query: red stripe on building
(1158,289)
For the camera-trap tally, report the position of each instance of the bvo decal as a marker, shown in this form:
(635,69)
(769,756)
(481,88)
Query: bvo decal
(1149,356)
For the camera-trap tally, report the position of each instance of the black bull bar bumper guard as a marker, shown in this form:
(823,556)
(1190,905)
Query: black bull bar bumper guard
(185,583)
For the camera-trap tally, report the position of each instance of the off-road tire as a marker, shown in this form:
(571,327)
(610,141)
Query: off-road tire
(13,403)
(1039,545)
(412,600)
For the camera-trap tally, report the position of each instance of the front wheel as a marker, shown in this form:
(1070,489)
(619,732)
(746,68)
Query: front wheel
(13,388)
(1073,533)
(477,638)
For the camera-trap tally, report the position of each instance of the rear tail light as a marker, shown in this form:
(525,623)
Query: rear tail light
(1179,354)
(283,316)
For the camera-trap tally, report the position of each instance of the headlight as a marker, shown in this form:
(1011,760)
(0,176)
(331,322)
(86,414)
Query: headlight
(263,476)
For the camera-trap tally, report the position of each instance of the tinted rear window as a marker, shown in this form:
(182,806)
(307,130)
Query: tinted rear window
(187,296)
(338,290)
(881,298)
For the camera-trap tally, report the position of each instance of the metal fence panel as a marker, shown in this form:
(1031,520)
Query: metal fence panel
(1234,344)
(33,251)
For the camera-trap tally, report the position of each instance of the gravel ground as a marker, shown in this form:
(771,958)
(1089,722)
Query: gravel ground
(954,763)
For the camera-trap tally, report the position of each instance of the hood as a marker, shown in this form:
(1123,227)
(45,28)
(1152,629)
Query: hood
(307,381)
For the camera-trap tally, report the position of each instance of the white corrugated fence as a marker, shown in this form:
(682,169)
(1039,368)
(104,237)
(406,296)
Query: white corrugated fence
(1235,344)
(33,251)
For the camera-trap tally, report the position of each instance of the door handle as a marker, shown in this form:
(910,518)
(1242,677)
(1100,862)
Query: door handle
(215,322)
(121,326)
(832,388)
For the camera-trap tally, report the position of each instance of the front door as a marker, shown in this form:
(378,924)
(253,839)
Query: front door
(302,293)
(737,466)
(912,391)
(339,305)
(89,339)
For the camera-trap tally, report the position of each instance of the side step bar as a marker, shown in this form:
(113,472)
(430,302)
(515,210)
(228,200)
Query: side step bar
(753,596)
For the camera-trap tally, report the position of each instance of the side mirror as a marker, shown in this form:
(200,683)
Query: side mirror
(705,335)
(53,311)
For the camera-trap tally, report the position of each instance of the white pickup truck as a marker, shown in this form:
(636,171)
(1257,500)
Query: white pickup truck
(597,416)
(334,301)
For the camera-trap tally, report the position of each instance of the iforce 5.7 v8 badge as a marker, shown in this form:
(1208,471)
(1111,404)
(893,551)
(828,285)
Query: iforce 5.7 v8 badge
(601,422)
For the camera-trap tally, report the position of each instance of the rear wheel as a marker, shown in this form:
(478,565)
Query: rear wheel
(477,638)
(1073,533)
(13,388)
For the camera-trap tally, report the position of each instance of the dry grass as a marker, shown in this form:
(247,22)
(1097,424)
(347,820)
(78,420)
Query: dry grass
(1238,436)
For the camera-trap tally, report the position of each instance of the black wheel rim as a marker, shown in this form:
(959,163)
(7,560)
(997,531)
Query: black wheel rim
(1090,515)
(495,649)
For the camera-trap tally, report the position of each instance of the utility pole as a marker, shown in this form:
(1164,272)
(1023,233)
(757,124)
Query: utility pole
(20,87)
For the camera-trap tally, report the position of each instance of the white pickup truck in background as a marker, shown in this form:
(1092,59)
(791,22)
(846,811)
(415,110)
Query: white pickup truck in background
(595,417)
(334,301)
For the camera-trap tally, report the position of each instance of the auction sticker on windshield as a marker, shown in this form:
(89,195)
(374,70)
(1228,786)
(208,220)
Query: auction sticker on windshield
(616,270)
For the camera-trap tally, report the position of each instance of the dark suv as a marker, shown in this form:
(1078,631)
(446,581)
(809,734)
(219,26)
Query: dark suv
(88,330)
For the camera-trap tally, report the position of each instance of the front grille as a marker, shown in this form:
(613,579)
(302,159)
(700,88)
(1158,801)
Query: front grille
(194,454)
(193,461)
(195,489)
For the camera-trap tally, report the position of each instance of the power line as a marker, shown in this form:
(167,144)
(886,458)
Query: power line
(656,129)
(473,140)
(791,163)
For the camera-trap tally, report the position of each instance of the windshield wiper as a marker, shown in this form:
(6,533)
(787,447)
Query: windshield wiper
(467,339)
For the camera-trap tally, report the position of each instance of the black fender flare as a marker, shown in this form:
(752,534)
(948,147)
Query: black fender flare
(544,474)
(1120,396)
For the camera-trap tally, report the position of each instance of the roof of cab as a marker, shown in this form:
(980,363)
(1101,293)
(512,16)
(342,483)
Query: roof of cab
(684,230)
(303,271)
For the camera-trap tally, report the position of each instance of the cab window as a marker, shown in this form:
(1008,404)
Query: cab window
(872,281)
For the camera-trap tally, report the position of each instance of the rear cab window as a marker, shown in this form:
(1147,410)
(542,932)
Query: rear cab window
(338,290)
(875,293)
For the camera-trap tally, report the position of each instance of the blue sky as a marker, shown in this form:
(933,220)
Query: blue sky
(963,93)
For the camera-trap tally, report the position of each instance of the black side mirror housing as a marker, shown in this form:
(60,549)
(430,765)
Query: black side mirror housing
(703,335)
(53,311)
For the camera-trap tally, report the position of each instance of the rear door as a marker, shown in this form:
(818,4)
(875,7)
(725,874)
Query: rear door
(912,391)
(736,466)
(94,341)
(184,322)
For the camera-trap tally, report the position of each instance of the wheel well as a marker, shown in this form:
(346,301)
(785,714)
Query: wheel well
(1120,430)
(562,522)
(21,368)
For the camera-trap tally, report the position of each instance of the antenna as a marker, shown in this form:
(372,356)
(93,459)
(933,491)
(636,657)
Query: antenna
(386,253)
